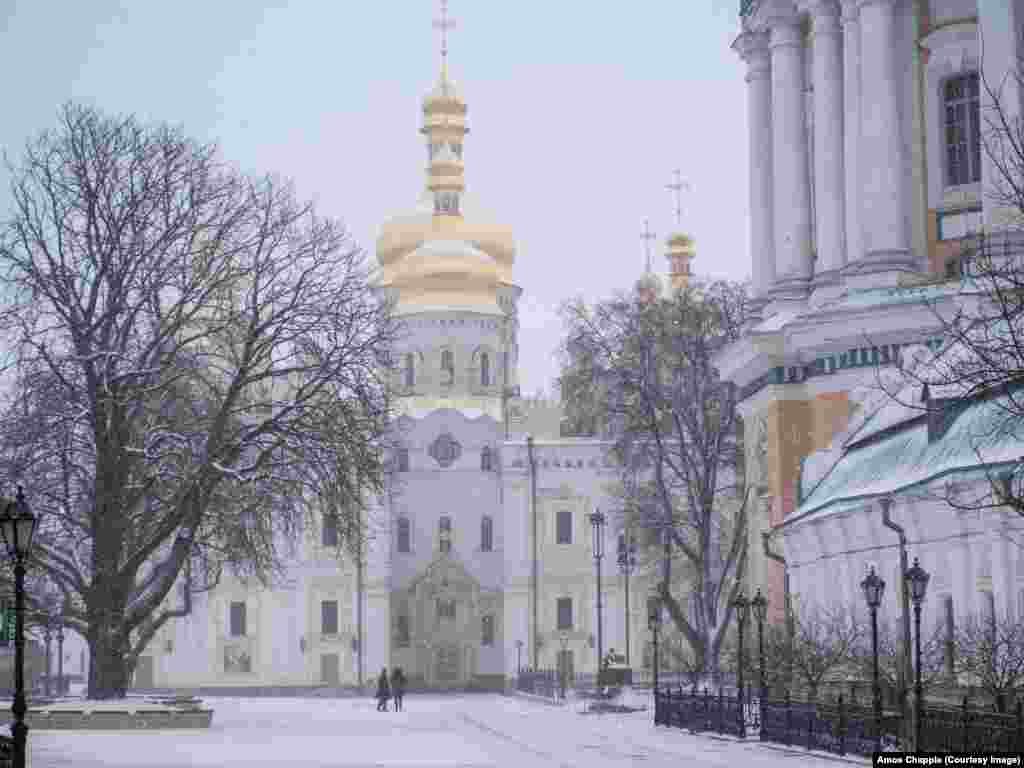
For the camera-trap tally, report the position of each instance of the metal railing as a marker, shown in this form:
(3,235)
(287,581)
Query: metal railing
(962,729)
(694,711)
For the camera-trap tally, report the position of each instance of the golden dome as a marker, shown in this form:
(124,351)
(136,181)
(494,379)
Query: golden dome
(680,240)
(444,98)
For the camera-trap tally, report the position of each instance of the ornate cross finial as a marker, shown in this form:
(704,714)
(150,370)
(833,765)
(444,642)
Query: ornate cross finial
(677,188)
(444,24)
(647,236)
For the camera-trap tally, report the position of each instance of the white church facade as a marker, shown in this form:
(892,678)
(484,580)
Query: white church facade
(867,182)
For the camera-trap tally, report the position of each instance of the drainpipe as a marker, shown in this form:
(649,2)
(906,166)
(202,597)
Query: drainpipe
(903,669)
(534,581)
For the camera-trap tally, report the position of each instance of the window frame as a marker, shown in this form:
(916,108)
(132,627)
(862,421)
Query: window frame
(487,630)
(329,522)
(485,369)
(403,543)
(325,606)
(486,534)
(564,603)
(444,534)
(972,129)
(448,365)
(402,459)
(234,622)
(486,459)
(560,515)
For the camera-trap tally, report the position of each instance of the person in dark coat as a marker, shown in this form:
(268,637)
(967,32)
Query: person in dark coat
(383,691)
(398,687)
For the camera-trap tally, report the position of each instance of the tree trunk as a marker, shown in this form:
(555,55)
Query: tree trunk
(110,664)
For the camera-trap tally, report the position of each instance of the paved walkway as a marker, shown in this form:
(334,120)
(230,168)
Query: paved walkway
(465,731)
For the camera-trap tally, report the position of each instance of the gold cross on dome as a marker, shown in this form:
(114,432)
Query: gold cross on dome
(677,188)
(444,24)
(647,236)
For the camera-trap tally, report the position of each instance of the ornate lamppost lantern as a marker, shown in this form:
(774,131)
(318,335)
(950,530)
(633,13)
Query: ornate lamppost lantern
(918,578)
(597,521)
(18,526)
(654,625)
(874,588)
(742,606)
(563,661)
(760,606)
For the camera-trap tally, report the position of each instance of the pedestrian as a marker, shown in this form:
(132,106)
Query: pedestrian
(398,687)
(383,691)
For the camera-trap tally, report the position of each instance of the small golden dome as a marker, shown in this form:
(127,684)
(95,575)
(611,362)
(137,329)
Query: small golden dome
(444,97)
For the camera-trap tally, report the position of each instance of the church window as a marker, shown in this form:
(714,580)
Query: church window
(563,525)
(403,534)
(963,130)
(402,631)
(410,369)
(446,609)
(237,619)
(329,534)
(329,617)
(487,630)
(564,609)
(486,534)
(485,370)
(486,459)
(444,527)
(402,455)
(448,365)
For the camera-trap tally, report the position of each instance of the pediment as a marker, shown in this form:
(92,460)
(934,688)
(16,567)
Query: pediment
(442,573)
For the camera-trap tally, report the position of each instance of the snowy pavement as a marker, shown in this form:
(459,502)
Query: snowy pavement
(464,731)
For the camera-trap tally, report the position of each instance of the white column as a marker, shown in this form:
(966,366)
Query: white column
(789,161)
(851,132)
(753,47)
(828,142)
(882,166)
(997,29)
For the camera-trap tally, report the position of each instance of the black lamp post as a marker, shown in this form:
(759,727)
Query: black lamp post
(742,606)
(18,525)
(60,650)
(654,624)
(918,578)
(627,562)
(760,606)
(47,636)
(597,524)
(874,588)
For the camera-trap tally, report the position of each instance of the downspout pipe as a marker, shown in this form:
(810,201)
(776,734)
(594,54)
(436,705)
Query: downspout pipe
(766,540)
(534,581)
(904,673)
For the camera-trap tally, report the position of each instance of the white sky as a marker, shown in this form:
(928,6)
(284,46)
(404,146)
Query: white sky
(578,114)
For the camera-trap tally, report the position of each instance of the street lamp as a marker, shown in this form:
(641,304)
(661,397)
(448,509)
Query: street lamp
(47,636)
(654,624)
(918,579)
(60,648)
(627,562)
(742,606)
(597,525)
(563,659)
(18,525)
(760,606)
(874,588)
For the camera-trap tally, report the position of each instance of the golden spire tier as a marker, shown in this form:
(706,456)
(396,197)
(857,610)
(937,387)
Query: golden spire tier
(445,253)
(681,251)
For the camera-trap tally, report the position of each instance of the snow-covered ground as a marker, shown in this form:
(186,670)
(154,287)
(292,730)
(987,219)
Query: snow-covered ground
(467,731)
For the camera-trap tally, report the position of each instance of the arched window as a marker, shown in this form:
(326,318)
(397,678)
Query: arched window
(410,369)
(403,534)
(963,130)
(487,534)
(448,365)
(444,529)
(486,459)
(485,370)
(403,459)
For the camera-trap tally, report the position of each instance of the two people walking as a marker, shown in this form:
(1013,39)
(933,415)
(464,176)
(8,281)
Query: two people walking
(385,691)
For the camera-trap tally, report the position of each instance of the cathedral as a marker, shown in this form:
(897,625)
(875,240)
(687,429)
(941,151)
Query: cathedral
(480,557)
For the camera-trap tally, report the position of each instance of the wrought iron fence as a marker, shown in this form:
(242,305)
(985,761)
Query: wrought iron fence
(834,727)
(705,711)
(962,729)
(539,682)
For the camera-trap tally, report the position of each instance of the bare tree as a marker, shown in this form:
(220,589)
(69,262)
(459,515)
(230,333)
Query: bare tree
(990,652)
(933,656)
(195,365)
(825,642)
(677,437)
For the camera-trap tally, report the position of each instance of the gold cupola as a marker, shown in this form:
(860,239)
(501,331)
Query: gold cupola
(445,253)
(681,250)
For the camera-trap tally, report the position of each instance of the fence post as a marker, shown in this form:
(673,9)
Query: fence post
(964,713)
(842,725)
(789,718)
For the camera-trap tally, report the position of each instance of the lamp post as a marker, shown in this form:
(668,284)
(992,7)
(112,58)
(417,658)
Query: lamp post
(742,606)
(60,650)
(627,562)
(874,588)
(654,624)
(597,525)
(17,525)
(917,577)
(563,661)
(519,657)
(47,636)
(760,606)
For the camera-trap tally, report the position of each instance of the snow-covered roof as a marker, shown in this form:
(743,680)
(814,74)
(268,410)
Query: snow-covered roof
(985,434)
